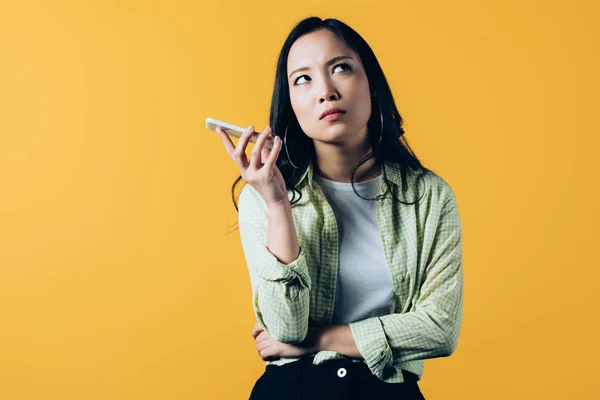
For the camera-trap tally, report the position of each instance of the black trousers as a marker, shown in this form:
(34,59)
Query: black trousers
(334,379)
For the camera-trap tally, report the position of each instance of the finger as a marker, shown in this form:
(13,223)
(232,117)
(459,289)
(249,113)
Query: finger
(229,146)
(262,337)
(258,333)
(240,159)
(256,330)
(240,149)
(245,138)
(274,153)
(269,353)
(268,142)
(264,155)
(263,345)
(256,151)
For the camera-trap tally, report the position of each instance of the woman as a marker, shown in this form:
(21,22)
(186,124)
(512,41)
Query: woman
(353,247)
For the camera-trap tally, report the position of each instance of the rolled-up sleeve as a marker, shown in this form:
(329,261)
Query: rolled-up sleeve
(280,292)
(432,329)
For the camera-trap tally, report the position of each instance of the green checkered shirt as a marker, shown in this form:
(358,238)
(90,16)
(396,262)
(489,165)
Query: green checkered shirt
(423,250)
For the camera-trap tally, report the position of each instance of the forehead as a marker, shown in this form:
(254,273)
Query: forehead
(317,47)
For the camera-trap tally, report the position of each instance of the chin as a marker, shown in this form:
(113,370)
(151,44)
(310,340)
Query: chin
(335,138)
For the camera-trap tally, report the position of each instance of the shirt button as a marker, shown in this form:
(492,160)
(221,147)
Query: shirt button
(388,238)
(399,277)
(341,372)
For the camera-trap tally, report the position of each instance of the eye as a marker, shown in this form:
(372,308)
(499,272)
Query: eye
(345,65)
(296,80)
(339,65)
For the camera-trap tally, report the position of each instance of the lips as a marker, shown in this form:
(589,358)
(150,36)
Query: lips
(330,111)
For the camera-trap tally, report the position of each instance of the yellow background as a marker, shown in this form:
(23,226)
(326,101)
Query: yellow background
(118,278)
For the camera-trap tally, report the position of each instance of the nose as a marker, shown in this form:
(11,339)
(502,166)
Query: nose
(328,93)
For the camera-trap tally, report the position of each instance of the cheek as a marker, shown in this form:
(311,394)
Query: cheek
(296,104)
(365,100)
(299,103)
(303,111)
(361,105)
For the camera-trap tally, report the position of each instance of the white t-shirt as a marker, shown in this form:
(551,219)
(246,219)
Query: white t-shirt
(364,282)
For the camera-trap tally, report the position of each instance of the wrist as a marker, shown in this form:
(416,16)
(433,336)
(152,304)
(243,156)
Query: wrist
(321,338)
(313,341)
(283,205)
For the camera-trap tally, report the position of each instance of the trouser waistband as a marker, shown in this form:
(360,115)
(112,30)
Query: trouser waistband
(305,369)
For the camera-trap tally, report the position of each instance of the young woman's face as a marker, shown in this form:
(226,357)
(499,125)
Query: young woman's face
(325,83)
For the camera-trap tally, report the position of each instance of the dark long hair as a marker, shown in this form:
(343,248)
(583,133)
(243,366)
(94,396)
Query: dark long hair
(393,146)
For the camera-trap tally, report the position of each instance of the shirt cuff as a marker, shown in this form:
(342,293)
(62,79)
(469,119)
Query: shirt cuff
(372,344)
(271,269)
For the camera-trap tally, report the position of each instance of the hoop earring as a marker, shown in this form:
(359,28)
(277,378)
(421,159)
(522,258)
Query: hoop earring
(381,133)
(286,149)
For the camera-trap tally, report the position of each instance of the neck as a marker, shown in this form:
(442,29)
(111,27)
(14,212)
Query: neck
(336,162)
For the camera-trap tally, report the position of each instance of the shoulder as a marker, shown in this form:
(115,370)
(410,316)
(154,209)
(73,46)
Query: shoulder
(437,188)
(421,184)
(440,199)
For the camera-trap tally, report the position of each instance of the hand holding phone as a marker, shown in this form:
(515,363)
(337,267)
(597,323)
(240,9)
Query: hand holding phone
(260,171)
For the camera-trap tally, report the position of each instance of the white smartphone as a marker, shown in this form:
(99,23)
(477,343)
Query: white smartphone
(235,131)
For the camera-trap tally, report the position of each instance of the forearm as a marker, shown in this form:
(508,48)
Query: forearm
(283,303)
(278,268)
(336,338)
(282,236)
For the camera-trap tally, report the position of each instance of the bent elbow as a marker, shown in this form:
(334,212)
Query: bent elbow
(450,345)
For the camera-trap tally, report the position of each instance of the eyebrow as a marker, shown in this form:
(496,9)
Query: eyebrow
(334,59)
